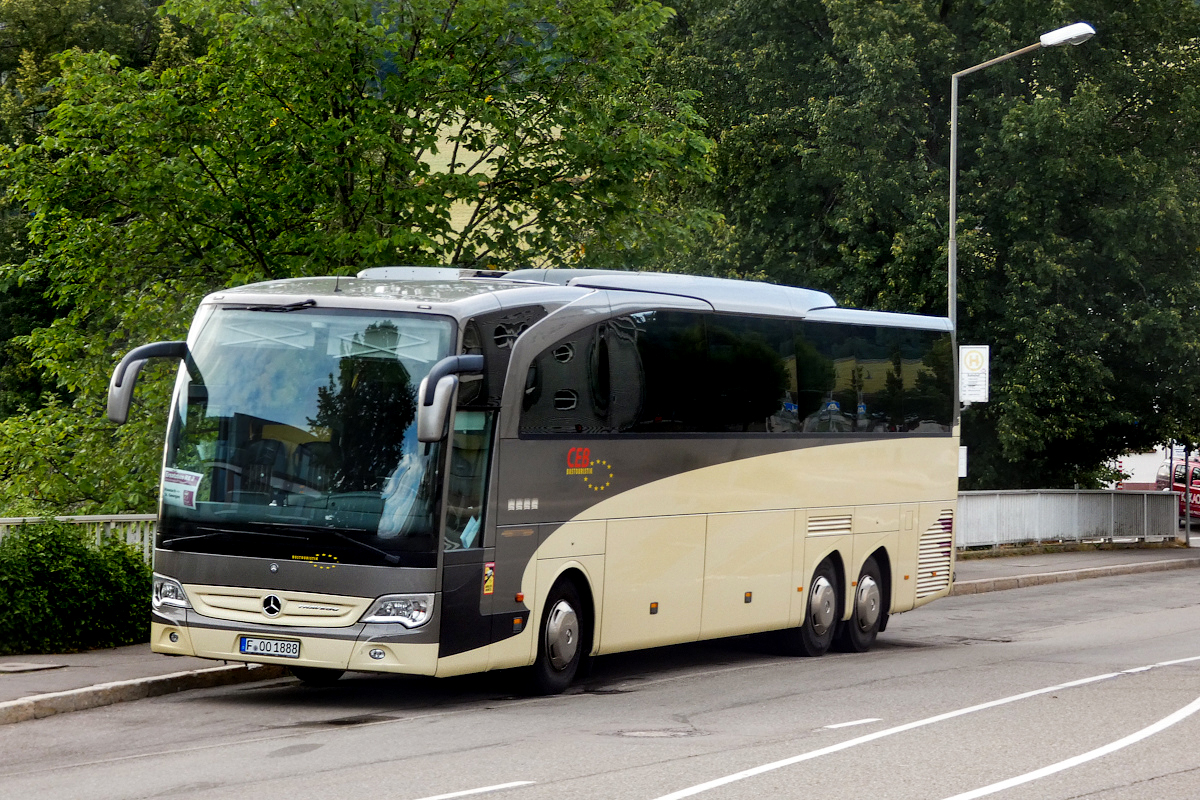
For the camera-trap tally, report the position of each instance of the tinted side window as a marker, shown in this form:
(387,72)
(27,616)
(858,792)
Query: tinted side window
(708,373)
(685,372)
(588,382)
(672,349)
(750,375)
(492,336)
(861,379)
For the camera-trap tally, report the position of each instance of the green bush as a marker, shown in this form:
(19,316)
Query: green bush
(60,593)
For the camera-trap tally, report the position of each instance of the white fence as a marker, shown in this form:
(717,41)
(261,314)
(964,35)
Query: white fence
(135,529)
(988,519)
(985,519)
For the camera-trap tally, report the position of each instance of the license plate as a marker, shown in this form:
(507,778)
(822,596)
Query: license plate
(280,648)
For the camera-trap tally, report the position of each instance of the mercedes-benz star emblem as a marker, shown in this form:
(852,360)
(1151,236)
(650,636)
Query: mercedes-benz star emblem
(272,605)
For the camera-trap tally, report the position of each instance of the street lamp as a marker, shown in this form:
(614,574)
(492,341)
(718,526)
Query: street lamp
(1078,33)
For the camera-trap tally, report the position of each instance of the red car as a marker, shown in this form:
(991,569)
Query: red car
(1164,481)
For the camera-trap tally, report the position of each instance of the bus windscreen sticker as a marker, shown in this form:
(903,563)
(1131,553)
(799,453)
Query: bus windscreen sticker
(489,577)
(179,487)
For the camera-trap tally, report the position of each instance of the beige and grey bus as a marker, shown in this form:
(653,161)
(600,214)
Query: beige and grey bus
(437,471)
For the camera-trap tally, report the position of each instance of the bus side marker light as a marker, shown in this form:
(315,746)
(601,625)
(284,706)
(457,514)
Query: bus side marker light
(749,595)
(905,577)
(518,624)
(854,583)
(654,608)
(520,597)
(799,588)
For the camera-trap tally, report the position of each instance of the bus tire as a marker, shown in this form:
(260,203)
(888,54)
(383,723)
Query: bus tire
(560,640)
(857,634)
(821,614)
(317,676)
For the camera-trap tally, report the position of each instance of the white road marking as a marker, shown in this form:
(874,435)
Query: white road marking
(480,790)
(852,724)
(1158,727)
(908,726)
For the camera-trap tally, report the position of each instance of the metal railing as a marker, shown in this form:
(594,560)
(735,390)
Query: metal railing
(133,529)
(985,519)
(989,519)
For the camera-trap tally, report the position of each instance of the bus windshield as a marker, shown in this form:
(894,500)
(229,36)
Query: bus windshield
(293,436)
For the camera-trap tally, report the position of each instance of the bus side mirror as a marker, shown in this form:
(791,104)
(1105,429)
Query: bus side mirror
(124,377)
(431,419)
(437,390)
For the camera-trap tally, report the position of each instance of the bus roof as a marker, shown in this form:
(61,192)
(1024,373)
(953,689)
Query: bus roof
(463,293)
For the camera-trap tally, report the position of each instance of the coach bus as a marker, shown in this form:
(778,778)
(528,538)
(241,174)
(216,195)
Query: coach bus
(435,472)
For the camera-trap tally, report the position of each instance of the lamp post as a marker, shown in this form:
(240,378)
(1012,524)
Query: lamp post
(1078,33)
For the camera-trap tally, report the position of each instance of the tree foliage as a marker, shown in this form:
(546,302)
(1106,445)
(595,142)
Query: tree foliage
(33,32)
(328,136)
(317,138)
(1078,191)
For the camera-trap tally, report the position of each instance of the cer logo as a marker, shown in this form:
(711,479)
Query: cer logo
(579,458)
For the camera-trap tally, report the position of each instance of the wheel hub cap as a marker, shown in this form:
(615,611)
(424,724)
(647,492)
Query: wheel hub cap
(562,634)
(867,603)
(821,604)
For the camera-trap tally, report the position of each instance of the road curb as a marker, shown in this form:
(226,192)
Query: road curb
(104,694)
(1043,578)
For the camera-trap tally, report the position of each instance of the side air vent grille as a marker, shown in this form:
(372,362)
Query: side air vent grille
(830,524)
(933,559)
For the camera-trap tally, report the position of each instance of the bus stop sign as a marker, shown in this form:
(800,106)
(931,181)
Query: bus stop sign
(973,373)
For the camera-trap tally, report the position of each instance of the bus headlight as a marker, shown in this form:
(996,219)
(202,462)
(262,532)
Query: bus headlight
(168,592)
(410,610)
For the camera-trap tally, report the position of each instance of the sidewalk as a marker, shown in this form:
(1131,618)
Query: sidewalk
(974,576)
(32,687)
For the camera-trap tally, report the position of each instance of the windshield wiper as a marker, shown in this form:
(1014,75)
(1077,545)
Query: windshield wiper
(303,533)
(391,558)
(284,308)
(308,531)
(210,532)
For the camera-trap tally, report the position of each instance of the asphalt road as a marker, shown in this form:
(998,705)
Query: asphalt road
(1046,692)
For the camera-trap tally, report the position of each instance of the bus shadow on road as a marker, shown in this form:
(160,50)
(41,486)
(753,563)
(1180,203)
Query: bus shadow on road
(375,698)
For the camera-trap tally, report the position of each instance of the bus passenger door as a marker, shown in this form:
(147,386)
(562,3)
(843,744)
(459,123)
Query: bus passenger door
(468,569)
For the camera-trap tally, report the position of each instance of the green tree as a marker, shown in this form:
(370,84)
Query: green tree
(32,33)
(317,138)
(1078,196)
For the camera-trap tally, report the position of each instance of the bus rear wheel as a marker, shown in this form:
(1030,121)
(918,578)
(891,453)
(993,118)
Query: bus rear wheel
(560,640)
(317,676)
(815,634)
(857,634)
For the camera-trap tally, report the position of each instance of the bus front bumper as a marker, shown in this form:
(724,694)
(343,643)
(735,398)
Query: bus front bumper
(360,647)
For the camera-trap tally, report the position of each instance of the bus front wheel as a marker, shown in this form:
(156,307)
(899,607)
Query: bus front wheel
(560,640)
(857,634)
(815,634)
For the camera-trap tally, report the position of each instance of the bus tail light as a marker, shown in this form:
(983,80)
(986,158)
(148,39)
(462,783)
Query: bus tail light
(410,610)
